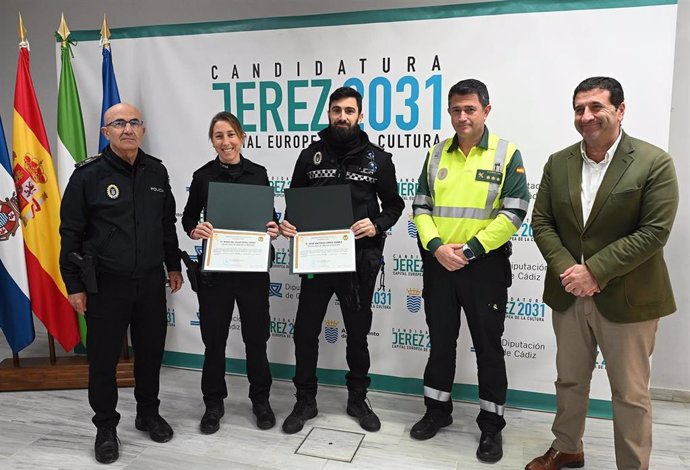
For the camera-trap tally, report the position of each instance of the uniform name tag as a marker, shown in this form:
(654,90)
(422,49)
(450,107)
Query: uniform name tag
(489,176)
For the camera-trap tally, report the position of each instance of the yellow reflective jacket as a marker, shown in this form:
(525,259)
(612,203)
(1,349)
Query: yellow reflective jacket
(479,199)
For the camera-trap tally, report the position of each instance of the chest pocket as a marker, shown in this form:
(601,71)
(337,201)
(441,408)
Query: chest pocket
(154,197)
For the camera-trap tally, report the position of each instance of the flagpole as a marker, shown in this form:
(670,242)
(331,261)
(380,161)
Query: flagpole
(63,30)
(51,350)
(111,95)
(105,33)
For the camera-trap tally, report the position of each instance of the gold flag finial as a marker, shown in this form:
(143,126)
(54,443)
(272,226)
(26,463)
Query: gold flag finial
(105,32)
(63,30)
(22,29)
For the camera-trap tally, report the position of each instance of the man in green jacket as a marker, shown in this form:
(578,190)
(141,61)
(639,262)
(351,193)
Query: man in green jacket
(603,213)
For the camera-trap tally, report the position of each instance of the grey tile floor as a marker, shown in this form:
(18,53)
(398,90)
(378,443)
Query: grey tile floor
(52,430)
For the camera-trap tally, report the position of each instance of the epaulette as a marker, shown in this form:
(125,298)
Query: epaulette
(88,161)
(378,147)
(154,158)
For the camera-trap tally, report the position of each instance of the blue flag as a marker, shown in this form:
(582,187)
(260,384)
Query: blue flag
(15,309)
(111,96)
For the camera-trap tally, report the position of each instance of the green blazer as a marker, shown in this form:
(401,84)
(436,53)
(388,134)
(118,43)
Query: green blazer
(623,239)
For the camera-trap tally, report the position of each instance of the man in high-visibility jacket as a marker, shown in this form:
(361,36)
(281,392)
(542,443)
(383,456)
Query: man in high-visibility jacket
(472,198)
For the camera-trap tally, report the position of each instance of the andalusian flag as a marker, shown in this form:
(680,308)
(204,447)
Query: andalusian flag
(71,140)
(15,309)
(111,95)
(39,205)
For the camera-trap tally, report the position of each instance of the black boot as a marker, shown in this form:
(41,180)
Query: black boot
(490,447)
(429,425)
(107,445)
(304,409)
(210,422)
(359,407)
(265,419)
(158,428)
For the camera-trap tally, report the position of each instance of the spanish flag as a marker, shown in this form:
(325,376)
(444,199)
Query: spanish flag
(39,205)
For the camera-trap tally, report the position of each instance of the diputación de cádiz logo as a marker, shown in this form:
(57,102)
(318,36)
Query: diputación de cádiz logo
(275,289)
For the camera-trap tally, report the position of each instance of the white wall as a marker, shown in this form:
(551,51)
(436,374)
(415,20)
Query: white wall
(671,363)
(672,357)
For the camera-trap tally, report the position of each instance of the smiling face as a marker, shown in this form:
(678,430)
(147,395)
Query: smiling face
(467,116)
(596,119)
(125,141)
(344,116)
(227,142)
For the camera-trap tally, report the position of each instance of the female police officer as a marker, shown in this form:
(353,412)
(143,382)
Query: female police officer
(218,292)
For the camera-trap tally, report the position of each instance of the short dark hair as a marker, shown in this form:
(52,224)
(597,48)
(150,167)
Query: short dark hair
(605,83)
(470,86)
(230,119)
(346,92)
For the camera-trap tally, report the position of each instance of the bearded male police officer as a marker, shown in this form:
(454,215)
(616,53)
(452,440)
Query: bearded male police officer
(344,155)
(118,210)
(472,197)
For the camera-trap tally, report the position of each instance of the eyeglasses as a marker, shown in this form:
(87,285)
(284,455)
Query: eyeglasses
(121,123)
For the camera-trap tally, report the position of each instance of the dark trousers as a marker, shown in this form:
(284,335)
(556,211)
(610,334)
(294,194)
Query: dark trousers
(218,293)
(481,289)
(121,302)
(354,292)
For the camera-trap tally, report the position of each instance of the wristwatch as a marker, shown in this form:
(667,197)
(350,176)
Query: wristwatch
(467,251)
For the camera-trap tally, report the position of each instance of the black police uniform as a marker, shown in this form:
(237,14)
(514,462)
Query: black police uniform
(124,217)
(371,175)
(218,293)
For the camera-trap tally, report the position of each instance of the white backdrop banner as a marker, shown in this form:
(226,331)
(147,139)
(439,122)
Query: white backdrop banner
(276,75)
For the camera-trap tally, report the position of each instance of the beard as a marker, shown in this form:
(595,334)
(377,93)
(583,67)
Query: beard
(342,135)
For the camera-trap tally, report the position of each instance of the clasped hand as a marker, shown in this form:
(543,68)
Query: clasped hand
(451,257)
(579,281)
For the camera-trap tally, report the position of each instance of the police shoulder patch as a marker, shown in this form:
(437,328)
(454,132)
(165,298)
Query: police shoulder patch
(87,161)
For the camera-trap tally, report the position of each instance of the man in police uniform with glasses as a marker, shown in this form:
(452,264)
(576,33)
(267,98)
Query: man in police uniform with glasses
(118,231)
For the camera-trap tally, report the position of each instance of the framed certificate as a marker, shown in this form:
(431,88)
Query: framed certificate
(238,213)
(327,251)
(239,206)
(237,250)
(324,242)
(319,207)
